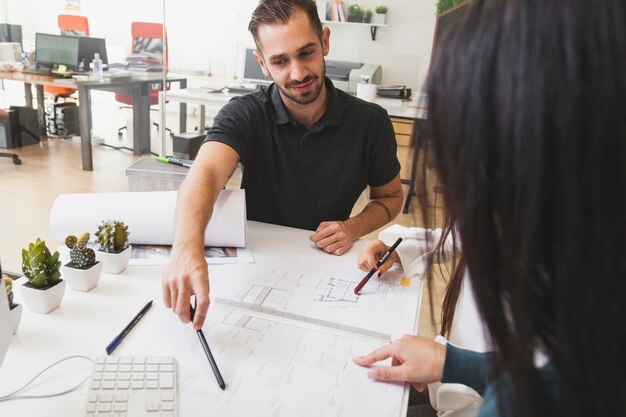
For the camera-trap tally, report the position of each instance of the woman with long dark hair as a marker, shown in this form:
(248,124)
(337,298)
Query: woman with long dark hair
(527,114)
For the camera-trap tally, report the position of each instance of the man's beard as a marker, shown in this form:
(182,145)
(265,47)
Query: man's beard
(308,97)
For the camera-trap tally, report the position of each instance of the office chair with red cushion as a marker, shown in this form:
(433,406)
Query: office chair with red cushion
(68,25)
(147,38)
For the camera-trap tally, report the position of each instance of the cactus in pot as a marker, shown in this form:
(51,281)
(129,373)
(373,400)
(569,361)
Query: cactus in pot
(82,257)
(15,310)
(83,272)
(8,283)
(114,250)
(112,236)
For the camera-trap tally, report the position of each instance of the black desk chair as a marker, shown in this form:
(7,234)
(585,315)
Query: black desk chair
(16,159)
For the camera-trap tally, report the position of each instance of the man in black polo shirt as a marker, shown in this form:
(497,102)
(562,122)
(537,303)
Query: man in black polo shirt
(308,152)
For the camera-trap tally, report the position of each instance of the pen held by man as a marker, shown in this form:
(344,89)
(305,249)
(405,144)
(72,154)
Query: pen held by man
(207,352)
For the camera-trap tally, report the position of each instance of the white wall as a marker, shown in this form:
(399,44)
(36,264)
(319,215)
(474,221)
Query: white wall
(209,35)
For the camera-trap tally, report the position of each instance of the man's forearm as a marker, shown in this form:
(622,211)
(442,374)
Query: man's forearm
(194,208)
(377,213)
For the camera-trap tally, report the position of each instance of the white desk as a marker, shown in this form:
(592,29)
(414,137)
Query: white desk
(86,322)
(212,102)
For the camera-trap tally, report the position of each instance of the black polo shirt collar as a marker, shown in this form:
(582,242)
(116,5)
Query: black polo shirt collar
(331,117)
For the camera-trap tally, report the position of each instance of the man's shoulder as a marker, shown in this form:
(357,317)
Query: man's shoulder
(255,102)
(362,107)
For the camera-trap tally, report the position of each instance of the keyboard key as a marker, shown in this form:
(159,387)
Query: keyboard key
(167,380)
(152,406)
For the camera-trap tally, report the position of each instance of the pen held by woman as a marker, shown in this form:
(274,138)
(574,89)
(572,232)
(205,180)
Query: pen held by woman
(369,256)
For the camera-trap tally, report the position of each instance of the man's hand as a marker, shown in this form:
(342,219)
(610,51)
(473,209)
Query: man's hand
(371,254)
(187,274)
(414,359)
(333,237)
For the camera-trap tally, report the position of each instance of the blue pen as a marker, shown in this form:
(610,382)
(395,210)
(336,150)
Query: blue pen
(118,339)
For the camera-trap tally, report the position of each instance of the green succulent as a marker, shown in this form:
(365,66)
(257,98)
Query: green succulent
(382,9)
(39,266)
(82,257)
(112,236)
(8,283)
(354,9)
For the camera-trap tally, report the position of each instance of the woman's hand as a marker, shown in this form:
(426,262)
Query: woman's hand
(413,359)
(371,254)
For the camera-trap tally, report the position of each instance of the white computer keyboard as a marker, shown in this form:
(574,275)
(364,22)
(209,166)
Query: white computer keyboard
(133,387)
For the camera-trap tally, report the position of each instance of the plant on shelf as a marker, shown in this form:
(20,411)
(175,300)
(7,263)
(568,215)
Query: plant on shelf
(83,271)
(14,308)
(381,15)
(443,5)
(44,290)
(114,250)
(354,12)
(367,18)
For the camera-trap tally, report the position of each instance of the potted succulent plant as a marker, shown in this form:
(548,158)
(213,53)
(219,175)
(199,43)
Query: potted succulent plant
(355,13)
(367,18)
(44,290)
(83,271)
(381,15)
(16,309)
(114,250)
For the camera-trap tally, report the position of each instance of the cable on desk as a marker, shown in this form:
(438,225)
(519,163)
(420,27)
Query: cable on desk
(11,396)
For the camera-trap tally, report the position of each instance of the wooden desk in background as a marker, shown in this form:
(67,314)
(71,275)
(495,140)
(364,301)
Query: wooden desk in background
(138,87)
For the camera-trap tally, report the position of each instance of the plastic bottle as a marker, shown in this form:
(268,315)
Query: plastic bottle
(97,70)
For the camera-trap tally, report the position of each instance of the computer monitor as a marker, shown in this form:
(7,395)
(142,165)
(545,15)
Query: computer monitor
(10,33)
(54,50)
(444,20)
(87,48)
(252,72)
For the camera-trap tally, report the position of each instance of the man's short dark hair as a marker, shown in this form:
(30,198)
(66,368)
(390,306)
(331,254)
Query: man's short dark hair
(275,12)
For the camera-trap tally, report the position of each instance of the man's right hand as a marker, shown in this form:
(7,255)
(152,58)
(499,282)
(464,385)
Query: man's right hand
(187,274)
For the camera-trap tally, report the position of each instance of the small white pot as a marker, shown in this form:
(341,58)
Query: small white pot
(16,316)
(114,263)
(43,301)
(82,279)
(379,18)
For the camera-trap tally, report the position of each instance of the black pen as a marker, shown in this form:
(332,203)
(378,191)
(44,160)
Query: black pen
(386,256)
(207,351)
(118,339)
(174,161)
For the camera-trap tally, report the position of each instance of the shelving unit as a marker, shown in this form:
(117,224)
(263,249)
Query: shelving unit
(372,26)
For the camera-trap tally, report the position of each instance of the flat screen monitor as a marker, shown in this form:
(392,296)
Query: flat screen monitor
(444,20)
(87,48)
(10,33)
(252,72)
(54,50)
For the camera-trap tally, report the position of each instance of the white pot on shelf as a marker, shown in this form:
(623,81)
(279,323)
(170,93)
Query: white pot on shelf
(43,300)
(82,279)
(16,317)
(114,263)
(379,18)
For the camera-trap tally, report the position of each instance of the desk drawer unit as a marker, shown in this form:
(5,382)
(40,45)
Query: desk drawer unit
(403,129)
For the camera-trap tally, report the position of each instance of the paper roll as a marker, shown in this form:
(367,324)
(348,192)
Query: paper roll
(148,215)
(366,91)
